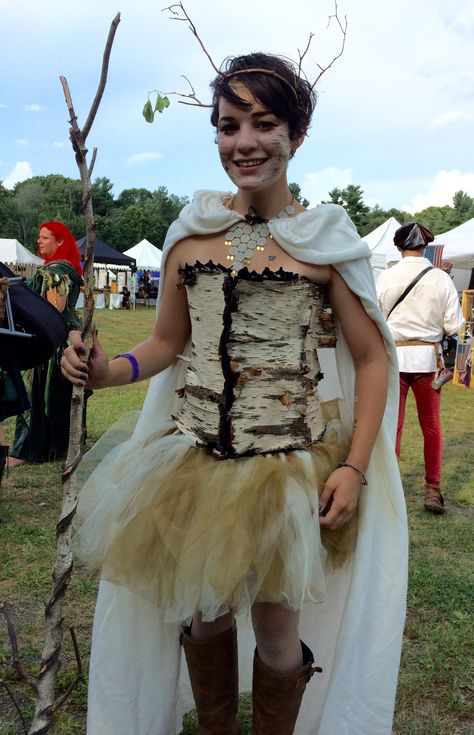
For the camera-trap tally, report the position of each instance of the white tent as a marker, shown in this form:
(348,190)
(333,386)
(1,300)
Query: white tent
(458,245)
(14,253)
(380,242)
(148,256)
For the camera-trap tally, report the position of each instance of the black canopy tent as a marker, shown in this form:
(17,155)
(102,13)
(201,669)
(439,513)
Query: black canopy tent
(105,255)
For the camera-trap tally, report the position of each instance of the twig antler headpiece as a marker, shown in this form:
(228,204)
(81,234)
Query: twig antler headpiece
(179,13)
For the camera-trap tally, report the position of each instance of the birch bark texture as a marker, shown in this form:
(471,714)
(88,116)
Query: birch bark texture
(251,385)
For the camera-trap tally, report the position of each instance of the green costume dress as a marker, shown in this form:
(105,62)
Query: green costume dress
(42,434)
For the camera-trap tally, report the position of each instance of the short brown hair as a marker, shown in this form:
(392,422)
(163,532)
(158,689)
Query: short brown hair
(274,81)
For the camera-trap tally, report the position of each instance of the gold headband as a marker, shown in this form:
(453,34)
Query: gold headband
(270,72)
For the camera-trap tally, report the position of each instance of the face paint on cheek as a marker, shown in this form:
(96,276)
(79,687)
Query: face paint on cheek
(224,159)
(271,173)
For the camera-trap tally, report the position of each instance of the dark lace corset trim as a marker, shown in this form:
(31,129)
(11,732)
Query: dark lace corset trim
(188,274)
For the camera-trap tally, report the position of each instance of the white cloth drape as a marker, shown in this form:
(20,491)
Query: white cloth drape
(137,684)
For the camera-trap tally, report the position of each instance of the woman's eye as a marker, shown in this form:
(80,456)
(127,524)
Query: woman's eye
(226,129)
(266,124)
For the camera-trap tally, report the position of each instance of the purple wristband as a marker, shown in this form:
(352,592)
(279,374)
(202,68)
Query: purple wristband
(134,364)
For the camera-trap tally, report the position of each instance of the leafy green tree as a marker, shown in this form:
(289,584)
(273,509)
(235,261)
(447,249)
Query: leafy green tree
(436,219)
(462,202)
(63,196)
(159,212)
(133,196)
(8,225)
(352,199)
(400,215)
(463,206)
(28,198)
(102,197)
(376,216)
(129,227)
(296,192)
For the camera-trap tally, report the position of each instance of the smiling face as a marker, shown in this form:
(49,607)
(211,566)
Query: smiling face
(254,144)
(47,243)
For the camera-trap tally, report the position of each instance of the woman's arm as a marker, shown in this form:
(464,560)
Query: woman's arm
(368,351)
(153,355)
(57,299)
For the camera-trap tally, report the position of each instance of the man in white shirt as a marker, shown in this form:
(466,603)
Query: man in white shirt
(418,321)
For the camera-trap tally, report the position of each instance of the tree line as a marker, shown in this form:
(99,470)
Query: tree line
(121,222)
(436,219)
(138,213)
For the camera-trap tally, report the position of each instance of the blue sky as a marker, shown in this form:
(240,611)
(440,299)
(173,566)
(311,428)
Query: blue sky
(395,113)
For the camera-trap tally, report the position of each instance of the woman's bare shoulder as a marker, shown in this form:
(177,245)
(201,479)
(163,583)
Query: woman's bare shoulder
(198,247)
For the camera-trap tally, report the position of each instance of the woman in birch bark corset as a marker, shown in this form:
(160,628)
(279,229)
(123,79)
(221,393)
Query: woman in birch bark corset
(242,493)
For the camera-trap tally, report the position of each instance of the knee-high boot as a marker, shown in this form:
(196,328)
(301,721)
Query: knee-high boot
(213,672)
(277,697)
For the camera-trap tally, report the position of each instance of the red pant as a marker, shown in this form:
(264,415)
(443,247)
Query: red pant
(428,403)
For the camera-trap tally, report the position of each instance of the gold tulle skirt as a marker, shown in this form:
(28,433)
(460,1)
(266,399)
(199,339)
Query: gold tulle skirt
(191,532)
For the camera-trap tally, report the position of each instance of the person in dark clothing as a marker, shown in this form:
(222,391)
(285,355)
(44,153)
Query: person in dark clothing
(43,434)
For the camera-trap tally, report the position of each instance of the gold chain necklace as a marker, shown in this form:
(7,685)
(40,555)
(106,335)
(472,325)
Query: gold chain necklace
(244,238)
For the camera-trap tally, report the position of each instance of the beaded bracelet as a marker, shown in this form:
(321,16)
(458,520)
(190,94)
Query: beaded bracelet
(134,364)
(346,464)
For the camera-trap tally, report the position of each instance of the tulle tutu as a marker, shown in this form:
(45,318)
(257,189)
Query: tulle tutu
(191,532)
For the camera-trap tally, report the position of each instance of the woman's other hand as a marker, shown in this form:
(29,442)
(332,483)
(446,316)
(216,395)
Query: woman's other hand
(340,497)
(95,374)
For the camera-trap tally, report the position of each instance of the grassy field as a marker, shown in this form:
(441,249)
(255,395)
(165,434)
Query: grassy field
(435,694)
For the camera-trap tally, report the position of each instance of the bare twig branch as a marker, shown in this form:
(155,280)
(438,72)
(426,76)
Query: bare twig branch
(92,163)
(44,685)
(103,77)
(192,95)
(15,704)
(178,12)
(343,29)
(302,55)
(16,659)
(175,15)
(79,673)
(75,135)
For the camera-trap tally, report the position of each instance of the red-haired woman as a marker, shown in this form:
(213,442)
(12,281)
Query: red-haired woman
(43,434)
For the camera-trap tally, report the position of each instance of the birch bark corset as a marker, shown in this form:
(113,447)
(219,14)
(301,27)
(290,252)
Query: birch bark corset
(251,384)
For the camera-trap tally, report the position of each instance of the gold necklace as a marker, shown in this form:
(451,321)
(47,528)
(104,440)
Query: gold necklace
(244,238)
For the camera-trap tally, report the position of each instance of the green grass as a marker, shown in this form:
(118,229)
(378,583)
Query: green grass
(435,693)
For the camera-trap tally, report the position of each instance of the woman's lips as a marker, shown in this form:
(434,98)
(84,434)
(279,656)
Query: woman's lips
(250,163)
(249,166)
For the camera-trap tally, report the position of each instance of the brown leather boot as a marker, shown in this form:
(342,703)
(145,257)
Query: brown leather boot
(434,501)
(277,697)
(213,672)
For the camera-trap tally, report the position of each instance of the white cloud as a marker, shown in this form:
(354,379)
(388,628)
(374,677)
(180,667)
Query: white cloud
(3,105)
(20,171)
(33,108)
(144,157)
(450,117)
(21,142)
(316,186)
(442,190)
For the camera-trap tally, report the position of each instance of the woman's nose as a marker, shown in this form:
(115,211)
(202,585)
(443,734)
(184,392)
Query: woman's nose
(246,139)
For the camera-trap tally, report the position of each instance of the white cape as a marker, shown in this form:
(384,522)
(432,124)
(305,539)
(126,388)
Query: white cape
(137,684)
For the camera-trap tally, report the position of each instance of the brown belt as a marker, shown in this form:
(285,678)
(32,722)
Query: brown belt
(414,343)
(419,342)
